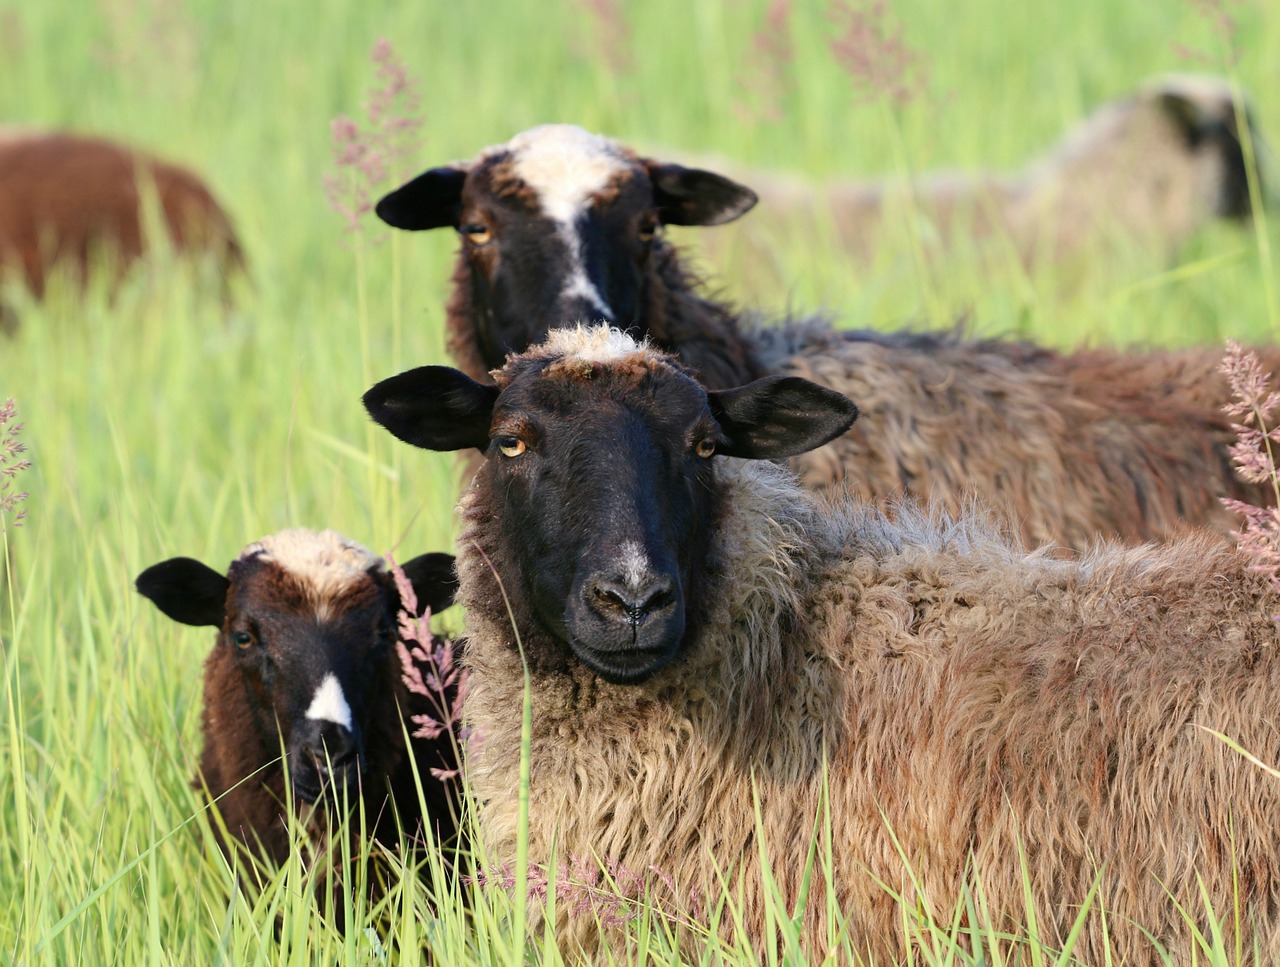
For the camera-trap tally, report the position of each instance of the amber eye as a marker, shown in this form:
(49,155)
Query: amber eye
(242,639)
(705,448)
(476,233)
(648,230)
(511,446)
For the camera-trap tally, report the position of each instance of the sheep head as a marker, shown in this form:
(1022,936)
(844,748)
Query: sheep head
(558,226)
(306,622)
(600,466)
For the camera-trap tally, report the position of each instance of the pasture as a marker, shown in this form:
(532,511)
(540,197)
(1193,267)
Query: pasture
(161,423)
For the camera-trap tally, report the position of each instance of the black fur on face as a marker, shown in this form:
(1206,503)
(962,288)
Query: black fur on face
(600,482)
(531,263)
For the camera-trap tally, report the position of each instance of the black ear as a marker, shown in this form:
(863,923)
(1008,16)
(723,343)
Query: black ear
(186,590)
(434,407)
(779,416)
(691,196)
(431,200)
(433,580)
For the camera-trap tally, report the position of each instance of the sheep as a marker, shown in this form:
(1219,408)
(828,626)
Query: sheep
(704,638)
(304,662)
(561,224)
(66,199)
(1146,170)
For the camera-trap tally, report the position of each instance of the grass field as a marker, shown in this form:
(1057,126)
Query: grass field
(160,424)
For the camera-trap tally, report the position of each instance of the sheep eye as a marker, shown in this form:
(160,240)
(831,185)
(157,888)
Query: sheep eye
(705,448)
(647,231)
(511,446)
(242,639)
(476,233)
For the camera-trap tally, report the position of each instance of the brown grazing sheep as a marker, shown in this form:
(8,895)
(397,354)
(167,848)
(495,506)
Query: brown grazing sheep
(66,199)
(702,635)
(304,661)
(1147,170)
(560,224)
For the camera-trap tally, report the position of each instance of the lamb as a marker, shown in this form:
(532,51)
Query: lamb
(304,661)
(67,199)
(701,634)
(1146,170)
(560,224)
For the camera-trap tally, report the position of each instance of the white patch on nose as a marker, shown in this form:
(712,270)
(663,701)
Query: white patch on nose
(634,565)
(330,704)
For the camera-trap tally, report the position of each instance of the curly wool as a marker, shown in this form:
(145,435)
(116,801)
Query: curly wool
(980,703)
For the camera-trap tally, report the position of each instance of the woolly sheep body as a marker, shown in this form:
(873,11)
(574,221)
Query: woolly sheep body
(978,697)
(1147,170)
(66,199)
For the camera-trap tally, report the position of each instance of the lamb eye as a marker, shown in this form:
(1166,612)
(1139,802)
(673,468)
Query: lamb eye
(511,446)
(647,231)
(242,639)
(705,448)
(476,233)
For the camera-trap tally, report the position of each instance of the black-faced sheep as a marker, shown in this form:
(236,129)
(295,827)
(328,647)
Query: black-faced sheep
(560,224)
(1146,170)
(702,634)
(67,199)
(304,663)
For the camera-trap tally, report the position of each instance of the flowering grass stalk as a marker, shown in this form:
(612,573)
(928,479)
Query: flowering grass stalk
(11,464)
(1252,409)
(430,669)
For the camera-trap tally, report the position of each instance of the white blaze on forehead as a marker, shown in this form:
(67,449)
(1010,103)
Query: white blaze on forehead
(594,344)
(633,564)
(566,166)
(330,704)
(325,561)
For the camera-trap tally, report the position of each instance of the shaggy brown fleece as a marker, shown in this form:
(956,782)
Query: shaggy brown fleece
(965,705)
(67,198)
(1064,448)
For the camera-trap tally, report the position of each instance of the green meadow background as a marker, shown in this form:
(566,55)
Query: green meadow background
(161,423)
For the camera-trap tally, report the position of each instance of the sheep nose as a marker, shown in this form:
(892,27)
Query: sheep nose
(331,745)
(632,602)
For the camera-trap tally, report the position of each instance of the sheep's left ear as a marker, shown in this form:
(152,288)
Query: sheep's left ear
(433,579)
(779,416)
(691,196)
(186,590)
(434,407)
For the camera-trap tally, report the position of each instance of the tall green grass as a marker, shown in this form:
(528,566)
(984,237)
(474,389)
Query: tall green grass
(160,424)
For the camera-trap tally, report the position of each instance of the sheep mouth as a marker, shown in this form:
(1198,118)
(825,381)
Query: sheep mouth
(626,666)
(312,786)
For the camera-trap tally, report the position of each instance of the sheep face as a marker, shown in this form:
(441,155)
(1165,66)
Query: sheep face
(558,226)
(306,626)
(599,461)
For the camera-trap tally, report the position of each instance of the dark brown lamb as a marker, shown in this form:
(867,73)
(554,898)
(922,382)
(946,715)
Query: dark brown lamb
(559,225)
(305,663)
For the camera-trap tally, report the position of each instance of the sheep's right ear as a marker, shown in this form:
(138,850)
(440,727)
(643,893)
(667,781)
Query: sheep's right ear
(186,590)
(778,416)
(431,200)
(433,579)
(434,407)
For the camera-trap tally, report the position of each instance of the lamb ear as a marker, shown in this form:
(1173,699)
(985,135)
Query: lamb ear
(691,196)
(434,407)
(186,590)
(431,200)
(433,580)
(779,416)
